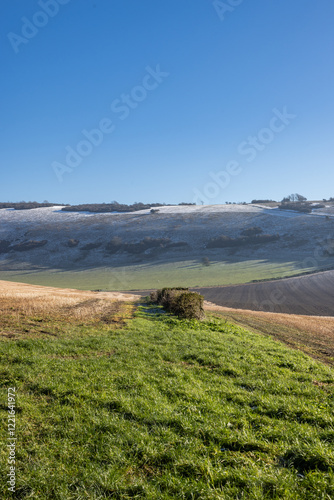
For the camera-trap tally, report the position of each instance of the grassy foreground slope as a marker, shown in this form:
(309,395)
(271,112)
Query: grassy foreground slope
(311,334)
(163,409)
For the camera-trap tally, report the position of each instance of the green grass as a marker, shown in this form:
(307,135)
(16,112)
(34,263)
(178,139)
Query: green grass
(148,276)
(167,409)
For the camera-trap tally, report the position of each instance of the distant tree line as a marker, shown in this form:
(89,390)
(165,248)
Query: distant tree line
(235,203)
(250,236)
(116,244)
(27,205)
(263,201)
(116,207)
(89,207)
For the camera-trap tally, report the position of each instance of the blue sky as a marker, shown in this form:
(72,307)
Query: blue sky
(194,100)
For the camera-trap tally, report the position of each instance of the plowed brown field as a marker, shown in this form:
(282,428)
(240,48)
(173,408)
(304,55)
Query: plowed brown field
(307,295)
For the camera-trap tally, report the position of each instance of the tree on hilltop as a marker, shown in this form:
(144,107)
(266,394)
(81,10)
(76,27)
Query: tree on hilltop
(295,198)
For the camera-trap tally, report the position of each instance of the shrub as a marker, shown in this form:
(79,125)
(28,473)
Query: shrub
(251,231)
(29,245)
(145,244)
(91,246)
(177,244)
(164,295)
(222,242)
(154,296)
(297,206)
(180,301)
(169,295)
(114,244)
(262,238)
(188,305)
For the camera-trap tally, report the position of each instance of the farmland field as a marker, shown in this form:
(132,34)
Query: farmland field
(311,294)
(155,275)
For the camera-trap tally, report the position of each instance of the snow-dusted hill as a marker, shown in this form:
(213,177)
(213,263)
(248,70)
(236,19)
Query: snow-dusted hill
(74,240)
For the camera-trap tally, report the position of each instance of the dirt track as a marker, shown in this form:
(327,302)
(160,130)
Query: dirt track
(307,295)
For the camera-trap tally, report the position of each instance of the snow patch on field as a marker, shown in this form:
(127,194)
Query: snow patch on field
(45,214)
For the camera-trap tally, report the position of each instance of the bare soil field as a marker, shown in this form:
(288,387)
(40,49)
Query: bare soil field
(304,295)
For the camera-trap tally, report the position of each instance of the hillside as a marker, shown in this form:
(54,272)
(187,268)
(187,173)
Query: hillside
(181,243)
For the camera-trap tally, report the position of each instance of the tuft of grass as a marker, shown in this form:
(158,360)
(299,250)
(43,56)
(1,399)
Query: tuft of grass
(166,409)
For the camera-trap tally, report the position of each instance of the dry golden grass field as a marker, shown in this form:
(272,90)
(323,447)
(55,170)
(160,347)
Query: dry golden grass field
(46,308)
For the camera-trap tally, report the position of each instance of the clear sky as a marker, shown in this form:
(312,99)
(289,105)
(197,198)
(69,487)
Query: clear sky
(166,101)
